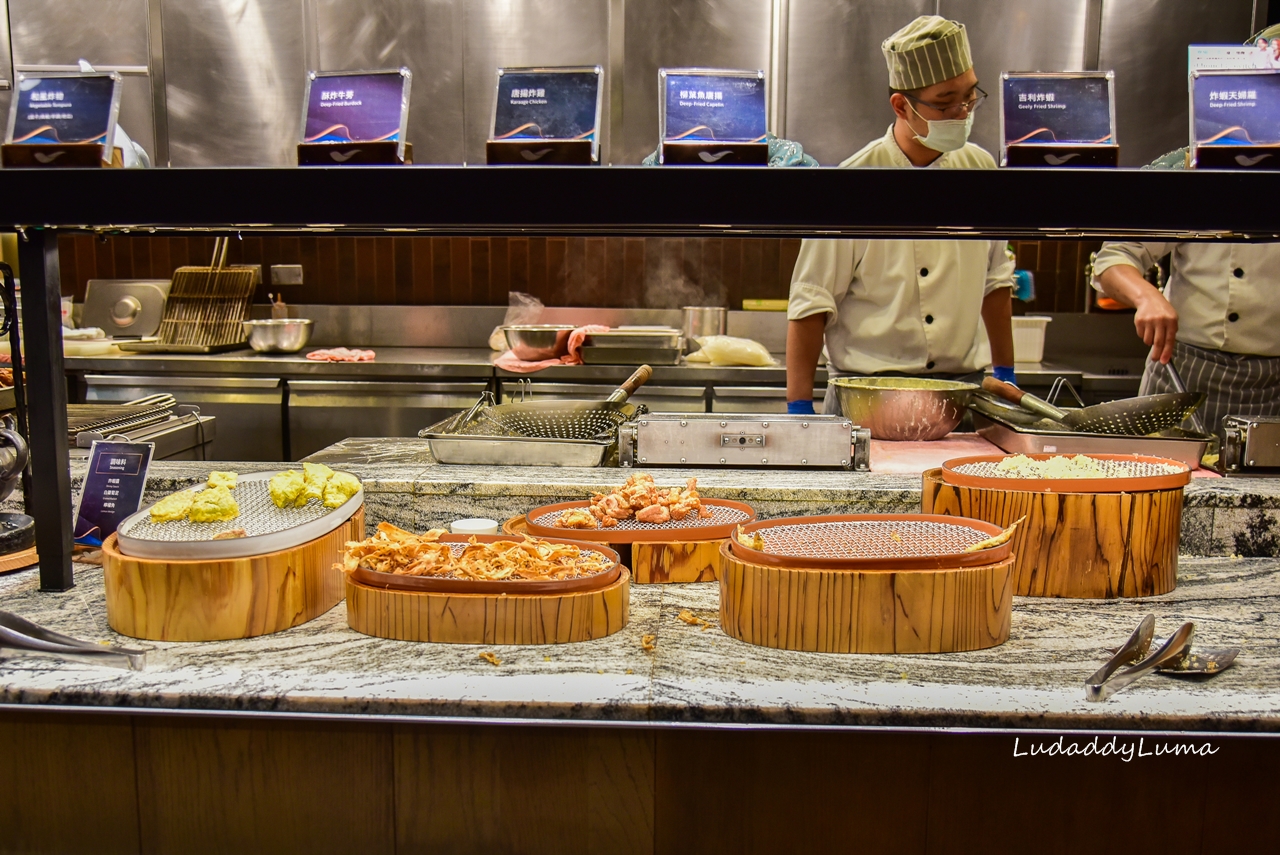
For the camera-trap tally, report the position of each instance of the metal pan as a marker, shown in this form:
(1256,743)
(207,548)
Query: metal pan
(1128,417)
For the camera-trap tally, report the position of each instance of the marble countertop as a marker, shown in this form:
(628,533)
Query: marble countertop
(694,676)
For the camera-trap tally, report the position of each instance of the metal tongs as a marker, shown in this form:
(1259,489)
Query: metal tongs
(18,633)
(1174,656)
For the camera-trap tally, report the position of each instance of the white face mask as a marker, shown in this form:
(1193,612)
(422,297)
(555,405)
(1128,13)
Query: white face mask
(945,134)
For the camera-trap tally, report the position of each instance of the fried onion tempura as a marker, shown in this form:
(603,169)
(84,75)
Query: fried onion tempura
(394,550)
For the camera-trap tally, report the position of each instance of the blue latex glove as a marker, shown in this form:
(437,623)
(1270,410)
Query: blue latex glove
(1005,374)
(800,408)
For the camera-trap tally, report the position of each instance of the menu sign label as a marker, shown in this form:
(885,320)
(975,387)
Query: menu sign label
(112,488)
(1263,55)
(548,104)
(1230,108)
(357,106)
(1057,109)
(64,108)
(713,106)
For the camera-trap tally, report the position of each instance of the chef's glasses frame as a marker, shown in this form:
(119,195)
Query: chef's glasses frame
(954,111)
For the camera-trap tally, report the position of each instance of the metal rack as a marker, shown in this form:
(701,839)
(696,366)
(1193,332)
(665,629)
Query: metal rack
(884,203)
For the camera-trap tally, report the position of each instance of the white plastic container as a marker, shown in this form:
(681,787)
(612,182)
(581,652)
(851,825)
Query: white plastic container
(474,526)
(1028,338)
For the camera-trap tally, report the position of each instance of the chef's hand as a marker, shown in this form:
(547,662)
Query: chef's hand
(800,408)
(1157,324)
(1005,374)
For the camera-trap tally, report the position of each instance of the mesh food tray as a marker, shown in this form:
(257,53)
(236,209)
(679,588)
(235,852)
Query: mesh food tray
(267,528)
(725,517)
(1123,473)
(872,541)
(454,585)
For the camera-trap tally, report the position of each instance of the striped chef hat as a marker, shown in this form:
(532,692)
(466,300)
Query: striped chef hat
(929,50)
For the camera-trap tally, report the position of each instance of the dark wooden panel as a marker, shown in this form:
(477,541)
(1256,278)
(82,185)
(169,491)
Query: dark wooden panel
(767,792)
(264,786)
(67,784)
(523,789)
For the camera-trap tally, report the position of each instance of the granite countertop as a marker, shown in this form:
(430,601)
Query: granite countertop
(1035,680)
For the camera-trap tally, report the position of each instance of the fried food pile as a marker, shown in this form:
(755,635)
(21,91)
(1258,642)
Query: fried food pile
(315,481)
(640,498)
(212,504)
(394,550)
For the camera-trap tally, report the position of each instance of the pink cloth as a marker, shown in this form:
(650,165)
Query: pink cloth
(509,362)
(342,354)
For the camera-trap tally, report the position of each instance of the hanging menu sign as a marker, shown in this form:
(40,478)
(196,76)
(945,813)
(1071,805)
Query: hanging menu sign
(112,488)
(1235,119)
(713,116)
(60,109)
(1065,119)
(357,107)
(547,115)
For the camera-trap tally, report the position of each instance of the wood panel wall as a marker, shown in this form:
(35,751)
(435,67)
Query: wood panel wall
(578,271)
(166,783)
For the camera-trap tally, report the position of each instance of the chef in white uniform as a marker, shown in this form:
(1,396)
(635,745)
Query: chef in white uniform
(1218,320)
(907,307)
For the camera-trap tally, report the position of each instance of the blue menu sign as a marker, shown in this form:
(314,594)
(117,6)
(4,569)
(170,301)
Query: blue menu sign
(548,104)
(1057,109)
(357,106)
(1235,108)
(712,105)
(112,488)
(64,108)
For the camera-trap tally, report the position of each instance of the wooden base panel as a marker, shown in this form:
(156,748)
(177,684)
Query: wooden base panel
(19,560)
(489,618)
(655,563)
(1080,545)
(849,611)
(232,598)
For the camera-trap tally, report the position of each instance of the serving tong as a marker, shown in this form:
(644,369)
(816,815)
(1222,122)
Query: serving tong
(18,633)
(1173,656)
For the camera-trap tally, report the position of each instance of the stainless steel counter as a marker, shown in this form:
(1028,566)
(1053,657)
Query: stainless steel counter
(402,362)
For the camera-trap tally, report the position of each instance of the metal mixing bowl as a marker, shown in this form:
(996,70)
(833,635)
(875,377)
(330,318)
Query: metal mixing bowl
(278,336)
(535,342)
(904,408)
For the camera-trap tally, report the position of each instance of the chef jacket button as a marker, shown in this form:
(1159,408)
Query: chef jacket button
(930,364)
(1238,273)
(928,319)
(924,271)
(1233,317)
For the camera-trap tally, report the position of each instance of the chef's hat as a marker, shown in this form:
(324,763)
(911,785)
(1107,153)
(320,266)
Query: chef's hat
(929,50)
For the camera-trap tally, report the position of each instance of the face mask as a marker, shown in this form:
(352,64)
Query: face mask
(946,134)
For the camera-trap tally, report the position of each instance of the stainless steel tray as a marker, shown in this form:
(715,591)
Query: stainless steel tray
(635,337)
(1186,448)
(466,450)
(630,355)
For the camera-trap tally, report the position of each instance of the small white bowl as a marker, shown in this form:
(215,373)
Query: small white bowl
(474,526)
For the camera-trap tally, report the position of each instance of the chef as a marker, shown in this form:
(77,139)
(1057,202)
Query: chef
(1218,320)
(939,308)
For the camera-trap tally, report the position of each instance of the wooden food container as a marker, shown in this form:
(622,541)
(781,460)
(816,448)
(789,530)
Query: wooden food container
(671,552)
(513,612)
(213,600)
(939,603)
(1088,539)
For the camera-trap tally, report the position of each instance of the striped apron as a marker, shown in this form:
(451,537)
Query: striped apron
(1235,384)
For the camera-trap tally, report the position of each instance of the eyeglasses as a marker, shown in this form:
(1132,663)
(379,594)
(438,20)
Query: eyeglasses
(955,111)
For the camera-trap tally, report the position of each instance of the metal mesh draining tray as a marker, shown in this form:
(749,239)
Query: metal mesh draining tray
(268,528)
(725,517)
(871,542)
(452,585)
(1122,473)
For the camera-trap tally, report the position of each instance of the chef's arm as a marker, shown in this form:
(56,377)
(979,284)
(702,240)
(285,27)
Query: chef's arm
(804,346)
(1155,320)
(997,314)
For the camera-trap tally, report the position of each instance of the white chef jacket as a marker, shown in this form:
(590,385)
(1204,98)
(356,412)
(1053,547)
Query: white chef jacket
(1227,294)
(902,305)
